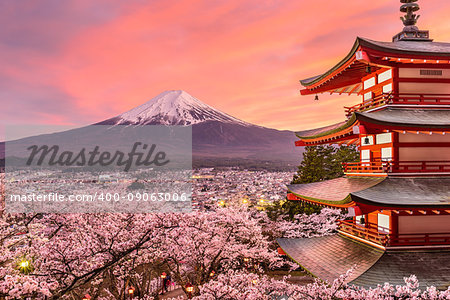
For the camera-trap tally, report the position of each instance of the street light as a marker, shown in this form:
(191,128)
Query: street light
(189,289)
(25,266)
(131,291)
(163,277)
(87,297)
(212,274)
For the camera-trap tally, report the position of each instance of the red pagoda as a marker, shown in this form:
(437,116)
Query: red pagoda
(398,194)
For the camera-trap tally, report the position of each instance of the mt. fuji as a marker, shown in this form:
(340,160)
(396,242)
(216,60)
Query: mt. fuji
(173,108)
(216,136)
(218,139)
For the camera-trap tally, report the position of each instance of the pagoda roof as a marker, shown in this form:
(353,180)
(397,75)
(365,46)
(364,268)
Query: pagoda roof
(394,192)
(345,76)
(409,117)
(399,118)
(341,128)
(330,256)
(419,48)
(432,268)
(406,192)
(335,191)
(322,130)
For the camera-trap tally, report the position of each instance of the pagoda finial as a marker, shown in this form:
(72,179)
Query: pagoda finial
(409,7)
(411,32)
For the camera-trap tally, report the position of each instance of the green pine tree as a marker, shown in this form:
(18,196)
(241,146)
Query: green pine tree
(324,163)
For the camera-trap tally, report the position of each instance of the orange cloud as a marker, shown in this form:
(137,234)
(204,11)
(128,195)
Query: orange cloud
(82,63)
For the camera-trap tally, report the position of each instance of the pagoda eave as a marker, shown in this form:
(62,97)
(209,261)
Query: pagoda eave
(328,257)
(411,193)
(332,193)
(383,120)
(343,204)
(345,76)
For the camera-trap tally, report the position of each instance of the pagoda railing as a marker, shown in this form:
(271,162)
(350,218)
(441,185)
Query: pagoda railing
(419,166)
(379,100)
(371,233)
(418,239)
(404,98)
(365,167)
(421,99)
(397,167)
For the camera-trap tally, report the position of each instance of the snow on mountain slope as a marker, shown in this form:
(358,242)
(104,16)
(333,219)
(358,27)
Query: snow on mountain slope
(175,108)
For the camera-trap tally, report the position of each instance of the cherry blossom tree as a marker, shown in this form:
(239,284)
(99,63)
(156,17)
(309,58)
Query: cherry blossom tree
(306,226)
(238,285)
(224,254)
(17,233)
(206,244)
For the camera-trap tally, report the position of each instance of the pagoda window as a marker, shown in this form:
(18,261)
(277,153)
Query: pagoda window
(369,83)
(423,73)
(367,140)
(365,155)
(382,77)
(368,96)
(383,223)
(360,220)
(430,72)
(387,88)
(386,154)
(384,138)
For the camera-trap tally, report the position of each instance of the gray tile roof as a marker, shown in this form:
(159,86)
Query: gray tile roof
(421,49)
(432,268)
(335,189)
(392,116)
(414,47)
(407,192)
(328,257)
(413,117)
(316,131)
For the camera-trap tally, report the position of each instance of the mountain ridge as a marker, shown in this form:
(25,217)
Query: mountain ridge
(174,107)
(217,138)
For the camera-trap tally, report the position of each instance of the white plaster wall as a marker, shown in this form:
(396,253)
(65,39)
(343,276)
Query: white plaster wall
(424,224)
(423,138)
(424,88)
(415,73)
(424,154)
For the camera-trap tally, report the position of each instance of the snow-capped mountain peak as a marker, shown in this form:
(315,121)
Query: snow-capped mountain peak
(175,108)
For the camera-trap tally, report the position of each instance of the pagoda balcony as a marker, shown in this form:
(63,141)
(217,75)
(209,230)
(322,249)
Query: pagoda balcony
(399,99)
(370,233)
(384,167)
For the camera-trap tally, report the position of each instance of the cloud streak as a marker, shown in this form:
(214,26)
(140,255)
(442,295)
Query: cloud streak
(79,61)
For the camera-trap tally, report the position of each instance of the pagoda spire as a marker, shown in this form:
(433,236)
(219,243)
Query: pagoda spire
(410,31)
(409,7)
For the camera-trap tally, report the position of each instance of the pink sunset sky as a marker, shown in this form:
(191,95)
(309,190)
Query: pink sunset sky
(76,62)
